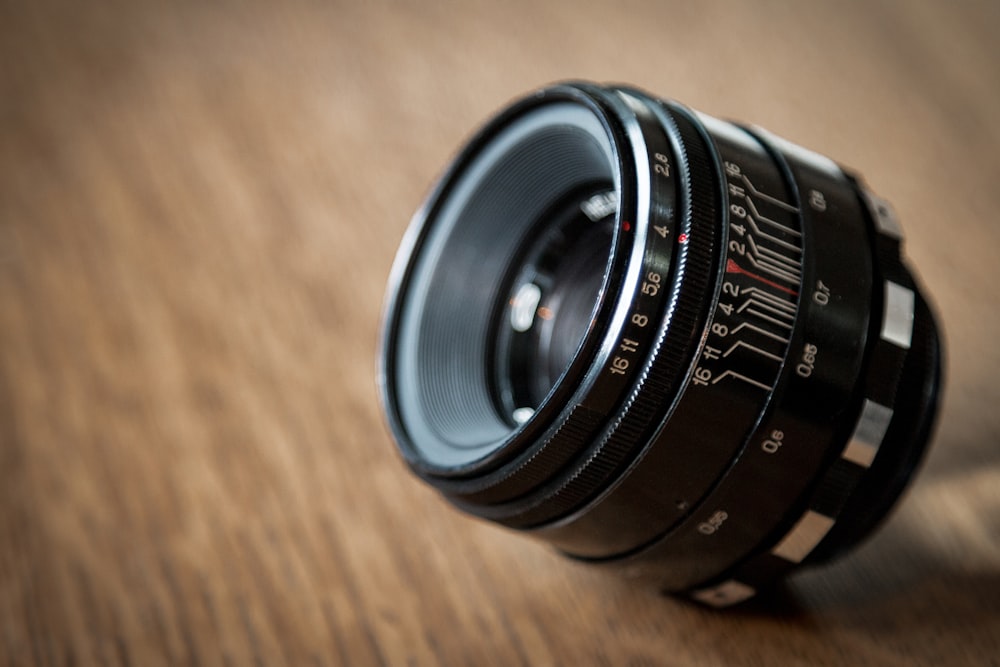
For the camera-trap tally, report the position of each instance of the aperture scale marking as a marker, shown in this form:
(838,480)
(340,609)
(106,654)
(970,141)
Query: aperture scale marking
(751,326)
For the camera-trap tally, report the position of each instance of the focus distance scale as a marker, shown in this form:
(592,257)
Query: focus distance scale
(666,344)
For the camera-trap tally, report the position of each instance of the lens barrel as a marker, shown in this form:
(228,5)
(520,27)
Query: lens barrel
(666,344)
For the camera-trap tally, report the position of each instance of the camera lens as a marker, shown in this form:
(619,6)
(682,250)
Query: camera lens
(666,344)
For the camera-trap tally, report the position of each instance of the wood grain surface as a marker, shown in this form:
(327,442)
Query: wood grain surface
(199,204)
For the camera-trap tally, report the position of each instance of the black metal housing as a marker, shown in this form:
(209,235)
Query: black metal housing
(759,377)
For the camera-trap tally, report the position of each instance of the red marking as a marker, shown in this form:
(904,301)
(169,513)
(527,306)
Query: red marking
(733,267)
(683,238)
(626,226)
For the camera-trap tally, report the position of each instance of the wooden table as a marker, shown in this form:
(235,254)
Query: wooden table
(198,209)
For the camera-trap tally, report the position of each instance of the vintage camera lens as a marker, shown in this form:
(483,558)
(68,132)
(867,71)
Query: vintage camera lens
(663,343)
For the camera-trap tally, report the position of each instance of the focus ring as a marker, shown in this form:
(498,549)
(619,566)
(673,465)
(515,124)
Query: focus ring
(895,382)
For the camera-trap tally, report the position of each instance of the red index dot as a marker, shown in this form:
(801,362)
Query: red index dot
(683,238)
(626,226)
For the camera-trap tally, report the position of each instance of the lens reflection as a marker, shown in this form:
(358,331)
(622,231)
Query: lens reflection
(550,304)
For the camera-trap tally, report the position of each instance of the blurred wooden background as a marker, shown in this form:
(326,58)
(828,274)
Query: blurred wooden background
(199,204)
